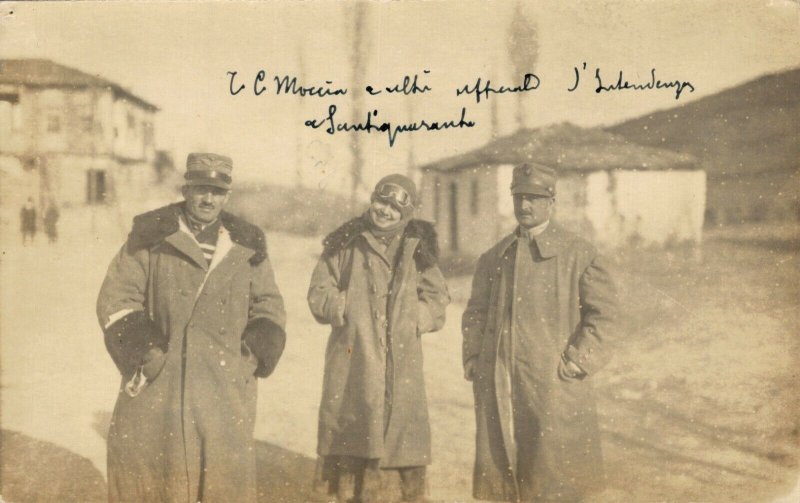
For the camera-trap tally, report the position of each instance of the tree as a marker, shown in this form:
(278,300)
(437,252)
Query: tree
(523,50)
(358,55)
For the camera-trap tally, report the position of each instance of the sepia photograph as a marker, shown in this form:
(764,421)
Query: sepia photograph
(400,251)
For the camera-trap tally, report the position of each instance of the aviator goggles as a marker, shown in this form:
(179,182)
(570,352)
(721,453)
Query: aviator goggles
(395,194)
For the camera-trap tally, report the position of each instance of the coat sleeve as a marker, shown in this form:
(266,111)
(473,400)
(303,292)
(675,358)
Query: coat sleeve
(325,299)
(125,284)
(433,300)
(589,347)
(473,321)
(265,334)
(131,337)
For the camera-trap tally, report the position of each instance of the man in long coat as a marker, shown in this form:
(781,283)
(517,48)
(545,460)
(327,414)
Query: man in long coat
(379,286)
(536,328)
(191,315)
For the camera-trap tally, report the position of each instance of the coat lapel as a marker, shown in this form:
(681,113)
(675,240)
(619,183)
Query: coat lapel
(184,242)
(550,241)
(224,245)
(373,243)
(226,252)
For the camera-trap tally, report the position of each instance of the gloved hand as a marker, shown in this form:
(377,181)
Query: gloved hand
(470,367)
(153,363)
(569,371)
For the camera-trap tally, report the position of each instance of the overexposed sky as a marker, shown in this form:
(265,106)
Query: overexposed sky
(176,55)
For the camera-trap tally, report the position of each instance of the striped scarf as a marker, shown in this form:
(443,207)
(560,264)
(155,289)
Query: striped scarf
(206,236)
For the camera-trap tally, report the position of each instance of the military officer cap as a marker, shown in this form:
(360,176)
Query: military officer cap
(532,178)
(209,169)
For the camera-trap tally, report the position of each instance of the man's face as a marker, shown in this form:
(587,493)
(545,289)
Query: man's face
(383,214)
(205,202)
(532,210)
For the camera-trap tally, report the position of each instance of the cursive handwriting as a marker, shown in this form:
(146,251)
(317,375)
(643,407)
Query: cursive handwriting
(529,82)
(623,84)
(286,84)
(391,130)
(409,86)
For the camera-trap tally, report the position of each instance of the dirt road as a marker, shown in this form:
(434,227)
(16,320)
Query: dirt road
(699,404)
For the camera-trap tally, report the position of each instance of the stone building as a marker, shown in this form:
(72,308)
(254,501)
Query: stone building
(71,137)
(611,191)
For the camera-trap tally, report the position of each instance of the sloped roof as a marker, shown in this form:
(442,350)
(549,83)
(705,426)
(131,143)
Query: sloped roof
(567,147)
(45,73)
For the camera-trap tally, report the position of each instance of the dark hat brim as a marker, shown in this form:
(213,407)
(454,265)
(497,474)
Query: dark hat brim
(530,188)
(212,182)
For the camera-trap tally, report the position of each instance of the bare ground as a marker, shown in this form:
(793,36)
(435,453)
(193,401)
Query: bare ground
(699,404)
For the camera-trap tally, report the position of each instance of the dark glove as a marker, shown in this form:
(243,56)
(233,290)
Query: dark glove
(266,341)
(130,338)
(153,363)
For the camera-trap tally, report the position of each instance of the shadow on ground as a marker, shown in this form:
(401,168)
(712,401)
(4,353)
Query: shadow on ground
(36,471)
(42,472)
(284,476)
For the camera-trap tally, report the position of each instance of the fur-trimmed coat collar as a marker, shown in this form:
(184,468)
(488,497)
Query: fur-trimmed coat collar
(152,227)
(426,254)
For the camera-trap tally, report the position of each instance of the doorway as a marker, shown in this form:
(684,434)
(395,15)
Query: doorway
(95,186)
(454,216)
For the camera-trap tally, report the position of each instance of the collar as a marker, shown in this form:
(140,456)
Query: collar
(535,231)
(548,241)
(194,225)
(154,226)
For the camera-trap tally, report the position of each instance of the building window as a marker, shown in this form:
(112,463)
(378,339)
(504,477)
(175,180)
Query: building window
(131,121)
(473,197)
(454,216)
(53,123)
(148,133)
(10,112)
(95,186)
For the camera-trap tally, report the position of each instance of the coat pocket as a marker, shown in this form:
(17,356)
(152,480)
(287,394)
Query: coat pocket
(248,361)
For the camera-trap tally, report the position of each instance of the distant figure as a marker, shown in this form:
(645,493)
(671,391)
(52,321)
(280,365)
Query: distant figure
(379,287)
(192,316)
(536,329)
(51,216)
(27,218)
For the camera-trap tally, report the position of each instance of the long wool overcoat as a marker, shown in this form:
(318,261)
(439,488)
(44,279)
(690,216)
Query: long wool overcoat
(575,302)
(373,400)
(187,436)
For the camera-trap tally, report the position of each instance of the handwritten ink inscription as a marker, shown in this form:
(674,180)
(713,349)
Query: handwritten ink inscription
(609,85)
(391,130)
(286,84)
(480,89)
(530,82)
